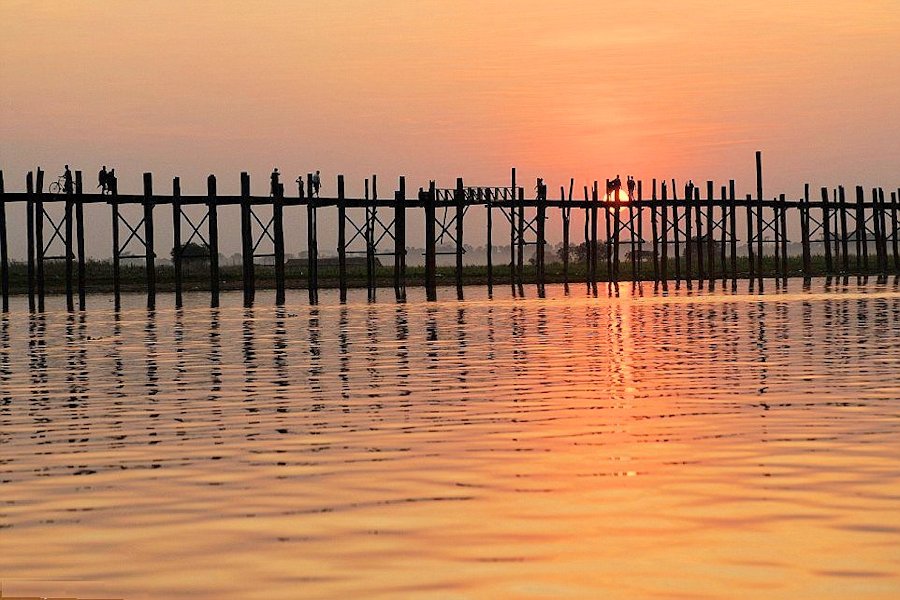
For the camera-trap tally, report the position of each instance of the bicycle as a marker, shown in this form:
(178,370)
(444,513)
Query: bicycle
(58,187)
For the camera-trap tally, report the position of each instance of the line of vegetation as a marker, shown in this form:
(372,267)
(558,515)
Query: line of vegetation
(99,274)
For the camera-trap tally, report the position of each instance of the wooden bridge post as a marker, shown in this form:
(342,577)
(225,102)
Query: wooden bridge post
(732,216)
(760,230)
(895,243)
(248,275)
(213,220)
(592,246)
(676,233)
(881,239)
(176,239)
(710,231)
(564,215)
(39,236)
(4,249)
(278,243)
(617,228)
(804,232)
(541,240)
(607,240)
(723,240)
(698,223)
(842,213)
(29,186)
(751,252)
(117,271)
(370,241)
(312,244)
(400,242)
(826,231)
(430,250)
(149,254)
(489,245)
(760,237)
(664,235)
(862,247)
(70,254)
(519,193)
(688,242)
(459,197)
(776,234)
(654,232)
(79,241)
(342,239)
(639,275)
(782,216)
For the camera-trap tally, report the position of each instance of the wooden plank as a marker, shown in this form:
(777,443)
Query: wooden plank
(760,237)
(213,221)
(723,233)
(342,239)
(688,235)
(459,197)
(4,249)
(520,235)
(248,275)
(176,240)
(149,254)
(587,238)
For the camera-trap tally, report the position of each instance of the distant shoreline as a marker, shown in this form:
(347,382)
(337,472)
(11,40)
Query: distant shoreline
(99,275)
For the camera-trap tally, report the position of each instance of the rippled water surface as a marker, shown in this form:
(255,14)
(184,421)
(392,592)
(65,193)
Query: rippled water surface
(700,444)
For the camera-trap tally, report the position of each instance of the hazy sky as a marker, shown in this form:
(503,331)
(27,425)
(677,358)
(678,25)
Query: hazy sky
(429,89)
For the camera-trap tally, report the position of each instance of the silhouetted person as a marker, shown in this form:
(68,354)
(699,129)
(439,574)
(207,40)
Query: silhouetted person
(102,180)
(631,185)
(617,184)
(541,189)
(316,183)
(68,186)
(689,190)
(299,182)
(112,184)
(276,185)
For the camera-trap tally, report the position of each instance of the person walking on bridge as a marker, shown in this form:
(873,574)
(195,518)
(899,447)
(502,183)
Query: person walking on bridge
(68,186)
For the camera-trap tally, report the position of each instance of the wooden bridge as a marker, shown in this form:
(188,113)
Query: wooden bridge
(699,232)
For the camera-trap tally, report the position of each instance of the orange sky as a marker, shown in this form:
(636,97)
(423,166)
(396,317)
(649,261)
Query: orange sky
(440,89)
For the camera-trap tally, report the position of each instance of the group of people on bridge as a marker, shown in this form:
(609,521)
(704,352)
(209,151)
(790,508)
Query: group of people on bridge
(276,188)
(612,188)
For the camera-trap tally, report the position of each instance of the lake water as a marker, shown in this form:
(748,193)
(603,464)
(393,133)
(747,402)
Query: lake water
(696,445)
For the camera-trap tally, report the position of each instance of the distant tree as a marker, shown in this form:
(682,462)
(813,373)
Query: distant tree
(579,253)
(192,251)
